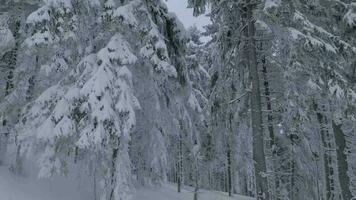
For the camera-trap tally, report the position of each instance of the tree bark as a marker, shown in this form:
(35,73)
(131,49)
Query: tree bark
(342,161)
(4,136)
(180,160)
(255,103)
(330,157)
(229,173)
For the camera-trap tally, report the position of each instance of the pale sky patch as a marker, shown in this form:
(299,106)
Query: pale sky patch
(179,7)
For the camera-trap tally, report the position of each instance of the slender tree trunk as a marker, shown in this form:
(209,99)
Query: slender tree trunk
(292,168)
(229,173)
(196,189)
(255,103)
(18,161)
(330,157)
(229,154)
(270,145)
(113,172)
(342,161)
(180,164)
(94,183)
(11,59)
(4,137)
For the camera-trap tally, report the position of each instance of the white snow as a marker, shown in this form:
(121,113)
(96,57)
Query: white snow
(337,91)
(309,26)
(44,38)
(74,188)
(31,188)
(350,16)
(117,50)
(271,4)
(7,41)
(193,103)
(313,41)
(168,192)
(59,3)
(38,16)
(126,12)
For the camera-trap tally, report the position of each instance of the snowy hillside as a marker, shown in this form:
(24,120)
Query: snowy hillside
(71,188)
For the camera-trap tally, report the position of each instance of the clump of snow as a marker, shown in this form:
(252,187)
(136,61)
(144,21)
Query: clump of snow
(126,13)
(350,16)
(352,95)
(38,16)
(117,50)
(94,3)
(194,103)
(313,85)
(7,41)
(109,4)
(309,26)
(311,40)
(59,3)
(337,91)
(262,25)
(45,38)
(56,65)
(157,53)
(271,4)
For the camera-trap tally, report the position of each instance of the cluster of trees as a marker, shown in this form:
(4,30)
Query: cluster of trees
(282,97)
(266,108)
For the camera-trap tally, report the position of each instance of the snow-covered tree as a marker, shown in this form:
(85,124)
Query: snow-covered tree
(90,103)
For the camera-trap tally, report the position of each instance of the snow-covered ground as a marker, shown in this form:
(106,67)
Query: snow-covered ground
(70,188)
(168,192)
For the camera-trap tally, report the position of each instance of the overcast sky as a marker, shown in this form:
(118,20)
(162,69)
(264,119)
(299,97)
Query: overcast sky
(179,7)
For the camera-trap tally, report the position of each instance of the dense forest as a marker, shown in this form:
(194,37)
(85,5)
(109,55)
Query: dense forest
(118,91)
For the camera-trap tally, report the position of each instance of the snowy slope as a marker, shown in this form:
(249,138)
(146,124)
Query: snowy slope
(168,192)
(31,188)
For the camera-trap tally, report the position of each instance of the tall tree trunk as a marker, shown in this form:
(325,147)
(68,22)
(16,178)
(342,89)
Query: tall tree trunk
(4,137)
(292,171)
(330,157)
(270,145)
(11,59)
(113,172)
(342,161)
(180,160)
(229,154)
(196,188)
(229,173)
(255,103)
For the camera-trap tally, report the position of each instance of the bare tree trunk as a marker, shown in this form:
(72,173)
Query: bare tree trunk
(255,101)
(342,161)
(180,161)
(4,137)
(17,169)
(229,173)
(270,144)
(330,157)
(196,189)
(113,172)
(11,59)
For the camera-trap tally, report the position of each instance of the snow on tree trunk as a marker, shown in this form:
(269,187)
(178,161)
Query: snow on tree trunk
(255,103)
